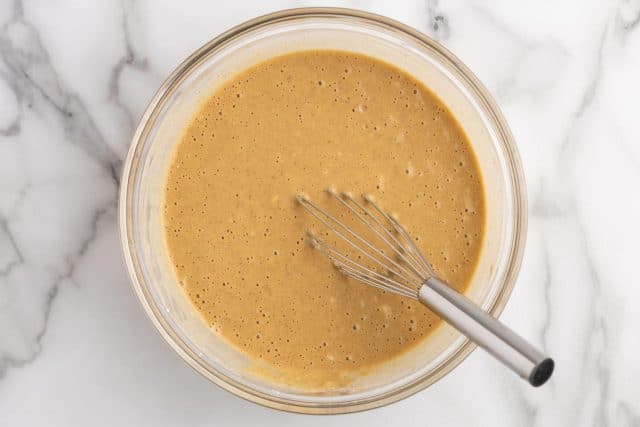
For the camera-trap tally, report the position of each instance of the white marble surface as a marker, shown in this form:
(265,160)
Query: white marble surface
(75,347)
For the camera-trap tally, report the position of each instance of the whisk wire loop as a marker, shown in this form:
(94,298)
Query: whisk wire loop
(409,246)
(365,248)
(353,269)
(385,235)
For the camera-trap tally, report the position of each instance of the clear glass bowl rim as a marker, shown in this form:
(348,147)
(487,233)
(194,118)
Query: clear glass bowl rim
(128,188)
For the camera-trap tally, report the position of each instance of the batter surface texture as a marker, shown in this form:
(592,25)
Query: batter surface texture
(298,124)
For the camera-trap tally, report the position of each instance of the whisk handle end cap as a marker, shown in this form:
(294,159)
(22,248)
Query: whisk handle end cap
(542,372)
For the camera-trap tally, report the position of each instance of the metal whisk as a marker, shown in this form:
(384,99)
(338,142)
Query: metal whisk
(395,264)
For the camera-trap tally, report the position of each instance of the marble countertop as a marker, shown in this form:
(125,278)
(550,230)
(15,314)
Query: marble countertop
(76,348)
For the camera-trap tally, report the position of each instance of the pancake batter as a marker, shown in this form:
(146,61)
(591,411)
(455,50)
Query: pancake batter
(300,123)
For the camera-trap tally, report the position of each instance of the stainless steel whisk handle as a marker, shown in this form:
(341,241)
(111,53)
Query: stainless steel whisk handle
(486,331)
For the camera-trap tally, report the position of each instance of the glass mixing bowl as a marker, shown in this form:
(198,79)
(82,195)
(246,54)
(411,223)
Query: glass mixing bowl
(141,229)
